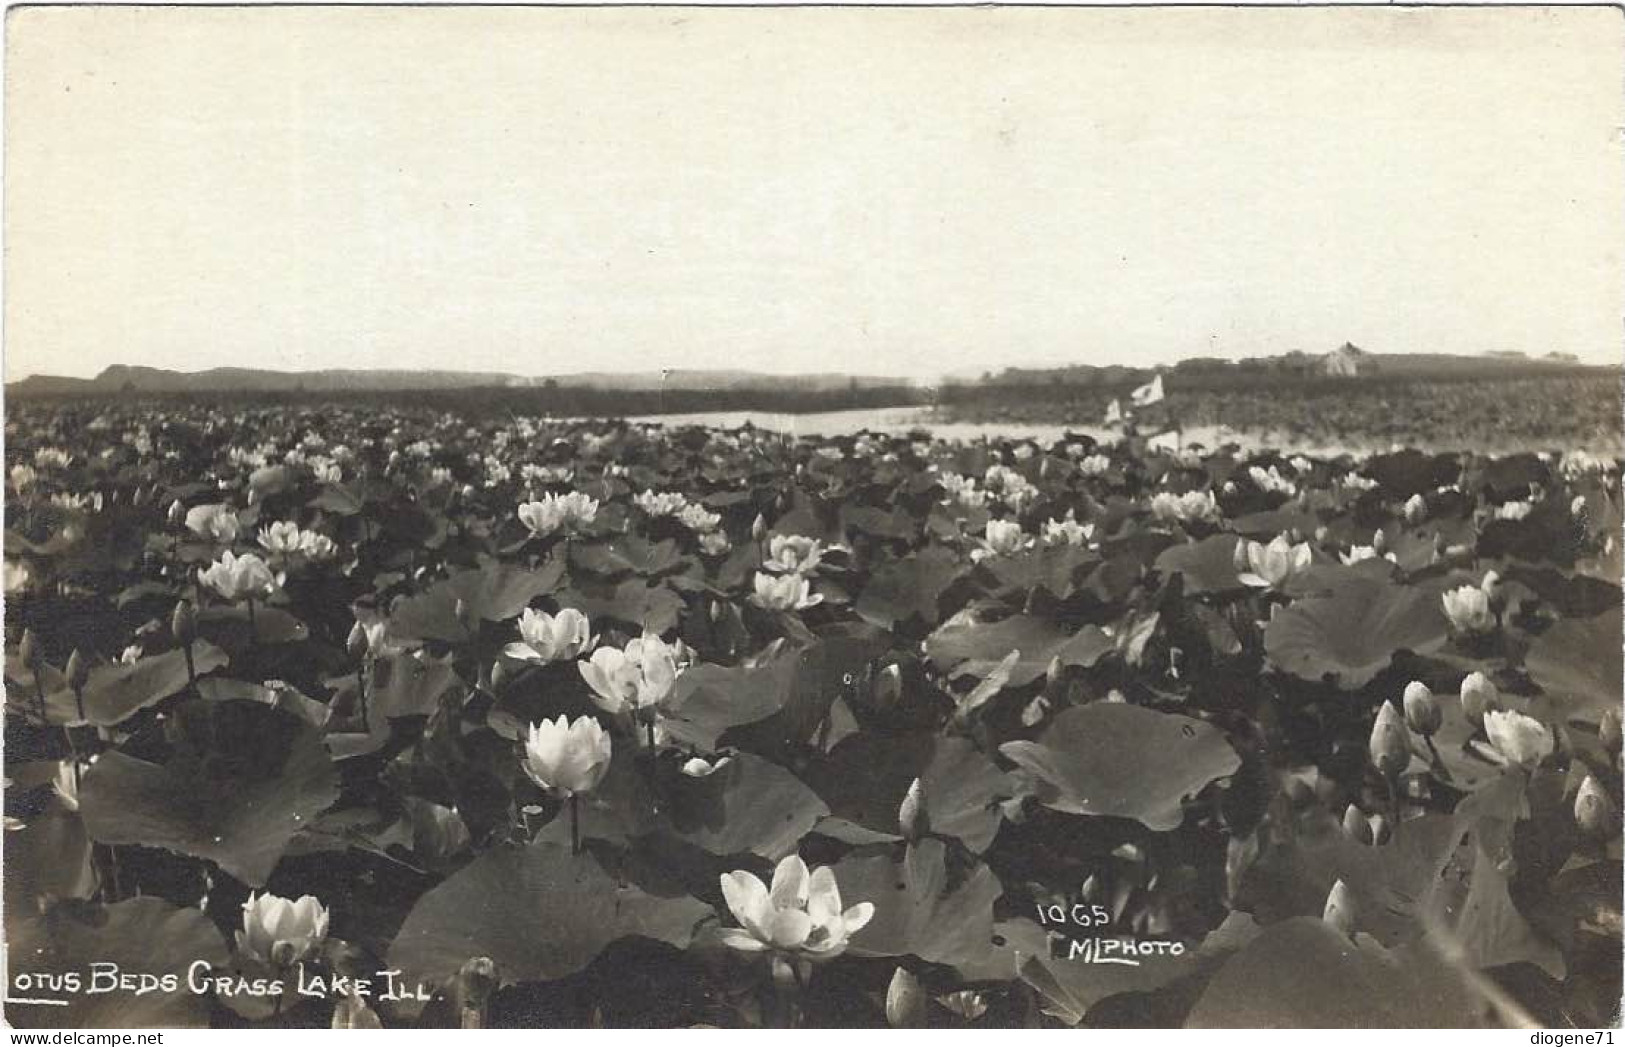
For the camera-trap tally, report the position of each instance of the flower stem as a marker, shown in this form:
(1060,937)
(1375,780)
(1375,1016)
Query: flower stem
(575,823)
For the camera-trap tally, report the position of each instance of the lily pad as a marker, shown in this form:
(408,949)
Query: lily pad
(919,909)
(242,780)
(116,692)
(1353,634)
(140,936)
(1125,761)
(967,646)
(538,913)
(494,593)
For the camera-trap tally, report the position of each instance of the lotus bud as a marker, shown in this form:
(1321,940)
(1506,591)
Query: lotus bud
(1607,729)
(1340,910)
(1390,745)
(1478,696)
(1593,810)
(356,642)
(1416,509)
(758,528)
(912,817)
(1356,825)
(499,676)
(905,1001)
(1092,889)
(183,623)
(177,513)
(1421,710)
(78,671)
(1379,542)
(1321,533)
(28,651)
(1380,833)
(468,492)
(1238,558)
(888,688)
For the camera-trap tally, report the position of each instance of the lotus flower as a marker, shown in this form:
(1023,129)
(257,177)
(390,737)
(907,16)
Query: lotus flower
(314,545)
(1478,696)
(542,518)
(1390,744)
(1275,564)
(636,679)
(551,638)
(1520,740)
(1421,710)
(239,577)
(793,553)
(1594,810)
(698,518)
(567,758)
(281,538)
(1068,531)
(800,914)
(784,592)
(270,921)
(1468,609)
(17,576)
(214,523)
(1001,538)
(1192,505)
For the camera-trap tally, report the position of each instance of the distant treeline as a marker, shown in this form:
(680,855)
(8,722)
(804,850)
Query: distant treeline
(556,401)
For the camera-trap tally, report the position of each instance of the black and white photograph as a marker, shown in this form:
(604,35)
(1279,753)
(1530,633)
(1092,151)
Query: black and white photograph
(774,517)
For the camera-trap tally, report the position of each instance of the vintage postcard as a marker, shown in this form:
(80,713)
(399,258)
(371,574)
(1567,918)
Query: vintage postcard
(765,517)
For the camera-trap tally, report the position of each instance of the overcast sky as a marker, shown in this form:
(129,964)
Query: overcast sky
(875,191)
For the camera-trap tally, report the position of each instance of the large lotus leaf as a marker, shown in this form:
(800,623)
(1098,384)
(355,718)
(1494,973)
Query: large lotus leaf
(337,499)
(116,692)
(1577,662)
(235,628)
(1125,761)
(48,857)
(408,685)
(140,936)
(494,592)
(1208,565)
(1264,526)
(626,553)
(537,912)
(709,699)
(881,523)
(634,602)
(910,587)
(1293,876)
(966,646)
(1353,634)
(1051,567)
(1303,973)
(242,778)
(868,774)
(1407,472)
(920,910)
(1469,903)
(1570,595)
(750,804)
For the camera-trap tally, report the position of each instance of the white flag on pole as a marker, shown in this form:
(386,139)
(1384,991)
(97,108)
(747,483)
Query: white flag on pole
(1114,413)
(1148,394)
